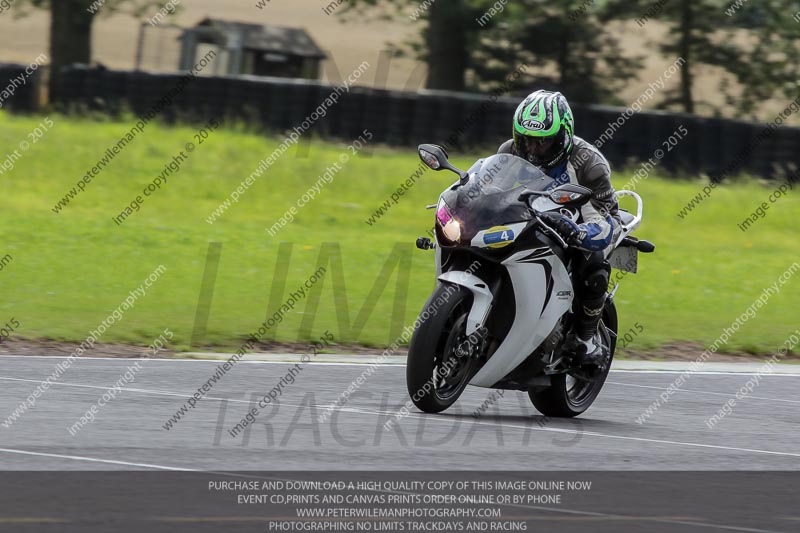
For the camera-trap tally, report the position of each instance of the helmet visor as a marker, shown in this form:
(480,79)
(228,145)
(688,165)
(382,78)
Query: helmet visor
(540,147)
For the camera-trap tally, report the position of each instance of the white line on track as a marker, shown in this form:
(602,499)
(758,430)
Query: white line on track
(706,373)
(125,360)
(589,433)
(94,460)
(131,389)
(481,422)
(695,391)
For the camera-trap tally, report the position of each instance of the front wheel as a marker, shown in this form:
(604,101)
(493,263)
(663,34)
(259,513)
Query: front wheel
(441,357)
(568,396)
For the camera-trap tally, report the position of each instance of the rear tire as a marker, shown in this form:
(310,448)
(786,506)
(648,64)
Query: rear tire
(567,396)
(435,374)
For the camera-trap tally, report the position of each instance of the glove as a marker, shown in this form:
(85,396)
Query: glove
(566,228)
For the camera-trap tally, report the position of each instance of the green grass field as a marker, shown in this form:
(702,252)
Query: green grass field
(68,271)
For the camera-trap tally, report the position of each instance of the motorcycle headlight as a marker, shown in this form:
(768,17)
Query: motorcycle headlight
(451,229)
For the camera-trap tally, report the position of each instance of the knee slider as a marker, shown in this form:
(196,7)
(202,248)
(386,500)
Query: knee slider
(596,280)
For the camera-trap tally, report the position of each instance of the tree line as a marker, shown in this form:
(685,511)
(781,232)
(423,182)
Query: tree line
(473,44)
(575,45)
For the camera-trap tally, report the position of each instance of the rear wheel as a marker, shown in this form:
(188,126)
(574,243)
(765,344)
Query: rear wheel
(441,357)
(570,395)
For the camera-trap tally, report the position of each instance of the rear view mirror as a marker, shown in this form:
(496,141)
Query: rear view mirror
(435,157)
(570,195)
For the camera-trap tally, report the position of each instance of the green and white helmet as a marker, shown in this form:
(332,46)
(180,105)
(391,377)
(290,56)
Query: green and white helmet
(544,129)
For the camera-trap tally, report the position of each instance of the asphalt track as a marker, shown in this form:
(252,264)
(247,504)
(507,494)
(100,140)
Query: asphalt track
(605,445)
(128,433)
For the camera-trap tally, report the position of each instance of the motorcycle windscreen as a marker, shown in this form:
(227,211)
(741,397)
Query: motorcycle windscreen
(491,195)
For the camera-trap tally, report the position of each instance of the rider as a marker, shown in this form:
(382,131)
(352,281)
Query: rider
(543,135)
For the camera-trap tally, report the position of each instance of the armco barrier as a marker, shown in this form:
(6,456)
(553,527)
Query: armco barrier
(407,119)
(25,95)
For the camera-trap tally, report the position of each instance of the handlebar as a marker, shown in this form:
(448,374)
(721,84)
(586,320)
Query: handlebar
(550,231)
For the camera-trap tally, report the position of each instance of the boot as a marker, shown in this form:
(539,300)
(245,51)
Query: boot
(590,351)
(587,344)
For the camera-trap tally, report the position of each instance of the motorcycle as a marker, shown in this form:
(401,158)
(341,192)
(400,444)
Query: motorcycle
(503,303)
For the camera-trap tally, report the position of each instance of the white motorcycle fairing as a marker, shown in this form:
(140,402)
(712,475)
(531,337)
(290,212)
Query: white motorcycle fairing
(543,293)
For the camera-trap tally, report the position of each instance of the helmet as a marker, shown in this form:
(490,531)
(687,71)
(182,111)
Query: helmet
(544,129)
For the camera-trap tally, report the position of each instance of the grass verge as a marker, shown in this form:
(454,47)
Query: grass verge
(69,271)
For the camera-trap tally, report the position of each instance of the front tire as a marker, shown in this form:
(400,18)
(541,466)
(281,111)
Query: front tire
(568,396)
(437,371)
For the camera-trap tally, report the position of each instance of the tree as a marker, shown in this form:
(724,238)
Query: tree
(770,67)
(474,44)
(754,43)
(567,42)
(446,37)
(71,28)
